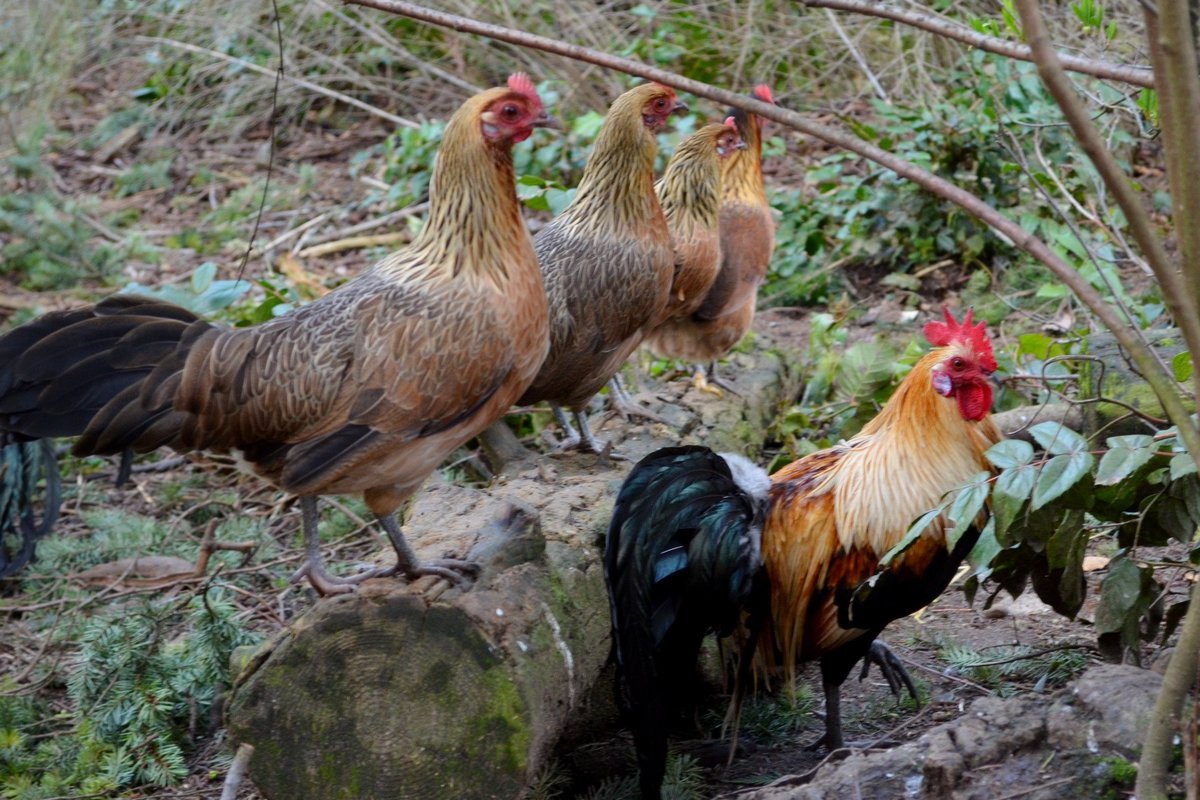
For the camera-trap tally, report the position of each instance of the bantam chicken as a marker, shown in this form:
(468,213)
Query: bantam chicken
(690,195)
(690,526)
(606,260)
(366,389)
(747,241)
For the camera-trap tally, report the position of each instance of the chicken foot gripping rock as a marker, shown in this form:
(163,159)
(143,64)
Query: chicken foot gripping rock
(623,403)
(407,563)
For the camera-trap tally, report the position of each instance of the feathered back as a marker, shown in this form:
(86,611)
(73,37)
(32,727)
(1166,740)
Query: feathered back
(681,559)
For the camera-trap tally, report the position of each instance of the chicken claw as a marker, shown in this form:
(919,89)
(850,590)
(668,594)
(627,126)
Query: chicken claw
(407,564)
(624,404)
(583,439)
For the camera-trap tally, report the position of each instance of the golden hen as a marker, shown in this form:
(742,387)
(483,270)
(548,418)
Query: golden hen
(606,260)
(366,389)
(747,241)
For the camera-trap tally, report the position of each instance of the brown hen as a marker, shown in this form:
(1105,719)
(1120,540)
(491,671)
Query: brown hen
(606,260)
(747,241)
(366,389)
(690,194)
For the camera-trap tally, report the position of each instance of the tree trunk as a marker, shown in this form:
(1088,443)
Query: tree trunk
(425,691)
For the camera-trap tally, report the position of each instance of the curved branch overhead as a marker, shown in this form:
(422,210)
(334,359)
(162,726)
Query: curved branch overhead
(1133,74)
(1154,371)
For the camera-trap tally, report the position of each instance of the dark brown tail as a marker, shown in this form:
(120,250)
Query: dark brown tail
(105,373)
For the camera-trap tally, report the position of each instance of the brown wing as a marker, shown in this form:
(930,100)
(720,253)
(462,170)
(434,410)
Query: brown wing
(747,240)
(305,392)
(603,293)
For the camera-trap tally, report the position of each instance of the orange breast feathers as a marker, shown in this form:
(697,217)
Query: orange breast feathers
(834,513)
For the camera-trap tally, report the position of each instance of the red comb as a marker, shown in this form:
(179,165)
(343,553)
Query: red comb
(519,82)
(941,334)
(730,122)
(763,92)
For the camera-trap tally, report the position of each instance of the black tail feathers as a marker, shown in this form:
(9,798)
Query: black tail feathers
(682,559)
(58,372)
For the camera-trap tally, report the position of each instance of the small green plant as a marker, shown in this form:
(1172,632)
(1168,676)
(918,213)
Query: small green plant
(683,780)
(135,688)
(1013,668)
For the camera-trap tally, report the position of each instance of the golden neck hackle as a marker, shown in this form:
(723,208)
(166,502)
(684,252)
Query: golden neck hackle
(690,189)
(616,193)
(741,173)
(475,221)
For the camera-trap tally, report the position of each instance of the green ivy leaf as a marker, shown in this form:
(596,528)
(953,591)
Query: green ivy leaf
(1182,464)
(1057,438)
(1013,487)
(1182,366)
(1118,594)
(967,502)
(1125,455)
(1010,453)
(1058,475)
(985,549)
(203,276)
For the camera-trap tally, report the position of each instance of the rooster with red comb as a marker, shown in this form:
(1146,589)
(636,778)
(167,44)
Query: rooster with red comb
(704,542)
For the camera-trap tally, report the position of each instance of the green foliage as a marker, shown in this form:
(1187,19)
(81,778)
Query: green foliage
(853,215)
(1009,669)
(776,718)
(1046,507)
(135,686)
(683,780)
(844,387)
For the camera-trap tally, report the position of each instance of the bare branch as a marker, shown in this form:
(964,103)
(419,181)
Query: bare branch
(1172,49)
(1160,381)
(1127,73)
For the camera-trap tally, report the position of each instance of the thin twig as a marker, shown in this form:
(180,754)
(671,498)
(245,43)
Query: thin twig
(312,87)
(1039,787)
(1134,74)
(858,56)
(354,243)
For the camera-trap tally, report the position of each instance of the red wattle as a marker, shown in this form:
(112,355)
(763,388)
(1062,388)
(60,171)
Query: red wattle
(974,400)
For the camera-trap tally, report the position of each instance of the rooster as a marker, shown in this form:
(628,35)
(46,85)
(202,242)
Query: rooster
(687,532)
(366,389)
(606,260)
(747,235)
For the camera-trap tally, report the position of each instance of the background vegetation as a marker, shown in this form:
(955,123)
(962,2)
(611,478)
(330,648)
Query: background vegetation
(135,139)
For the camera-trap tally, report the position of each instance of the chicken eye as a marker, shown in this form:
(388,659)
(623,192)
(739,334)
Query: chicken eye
(510,112)
(660,104)
(958,363)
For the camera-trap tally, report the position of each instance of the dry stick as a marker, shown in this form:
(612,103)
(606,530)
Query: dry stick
(312,87)
(1136,75)
(858,57)
(1160,381)
(237,771)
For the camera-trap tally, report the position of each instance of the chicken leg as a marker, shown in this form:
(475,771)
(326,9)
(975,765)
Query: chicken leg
(582,439)
(893,672)
(319,578)
(408,565)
